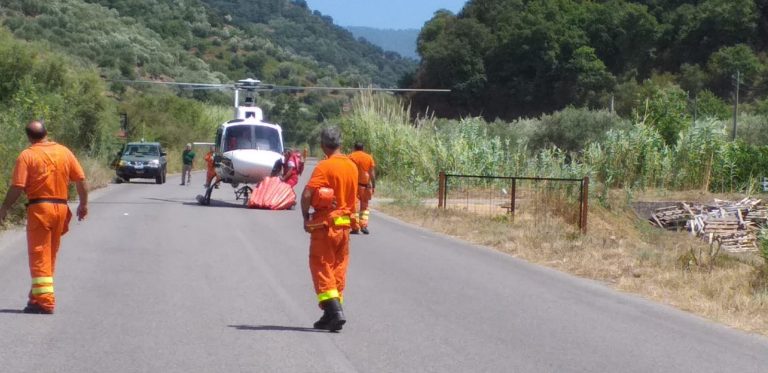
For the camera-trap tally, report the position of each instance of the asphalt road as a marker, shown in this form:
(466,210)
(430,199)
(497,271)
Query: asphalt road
(152,282)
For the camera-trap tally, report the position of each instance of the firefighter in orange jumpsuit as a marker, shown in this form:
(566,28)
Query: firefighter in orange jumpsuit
(366,168)
(43,171)
(290,174)
(211,168)
(331,193)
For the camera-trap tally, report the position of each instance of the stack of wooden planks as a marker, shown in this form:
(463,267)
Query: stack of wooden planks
(736,242)
(758,215)
(734,224)
(671,217)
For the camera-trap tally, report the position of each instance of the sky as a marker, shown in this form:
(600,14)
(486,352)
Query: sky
(388,14)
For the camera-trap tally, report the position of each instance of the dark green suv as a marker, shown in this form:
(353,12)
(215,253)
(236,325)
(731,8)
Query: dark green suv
(142,160)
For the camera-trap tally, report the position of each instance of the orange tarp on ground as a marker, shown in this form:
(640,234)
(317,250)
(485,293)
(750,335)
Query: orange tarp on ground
(272,194)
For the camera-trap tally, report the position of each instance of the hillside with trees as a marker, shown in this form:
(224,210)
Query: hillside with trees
(280,41)
(510,58)
(211,41)
(401,41)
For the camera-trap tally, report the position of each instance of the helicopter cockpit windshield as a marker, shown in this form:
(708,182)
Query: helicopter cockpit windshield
(252,137)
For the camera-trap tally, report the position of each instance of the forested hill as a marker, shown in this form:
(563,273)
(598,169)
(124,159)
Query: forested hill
(400,41)
(279,41)
(505,58)
(313,35)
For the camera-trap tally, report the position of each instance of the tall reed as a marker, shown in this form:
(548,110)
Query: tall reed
(411,152)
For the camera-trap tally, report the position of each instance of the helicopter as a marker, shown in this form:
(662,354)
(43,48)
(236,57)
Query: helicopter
(247,148)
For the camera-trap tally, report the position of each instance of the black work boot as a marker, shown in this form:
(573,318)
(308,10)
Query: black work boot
(34,308)
(365,230)
(333,316)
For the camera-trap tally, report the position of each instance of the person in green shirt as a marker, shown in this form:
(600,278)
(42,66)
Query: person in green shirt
(188,159)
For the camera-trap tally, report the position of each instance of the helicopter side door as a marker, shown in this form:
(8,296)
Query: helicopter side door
(217,142)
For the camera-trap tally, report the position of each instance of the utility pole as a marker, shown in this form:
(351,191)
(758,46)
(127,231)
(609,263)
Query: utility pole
(736,104)
(612,103)
(695,108)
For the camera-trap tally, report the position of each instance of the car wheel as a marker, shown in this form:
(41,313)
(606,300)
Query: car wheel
(127,179)
(165,174)
(118,180)
(159,178)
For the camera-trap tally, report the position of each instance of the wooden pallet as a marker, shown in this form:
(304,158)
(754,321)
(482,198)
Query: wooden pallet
(734,225)
(758,215)
(738,242)
(671,217)
(722,226)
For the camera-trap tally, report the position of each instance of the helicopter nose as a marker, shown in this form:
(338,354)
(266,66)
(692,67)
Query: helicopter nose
(255,164)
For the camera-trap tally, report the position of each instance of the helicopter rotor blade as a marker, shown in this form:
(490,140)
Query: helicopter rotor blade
(205,88)
(370,89)
(257,86)
(183,85)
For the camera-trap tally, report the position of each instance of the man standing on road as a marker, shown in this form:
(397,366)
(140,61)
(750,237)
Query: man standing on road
(188,159)
(43,171)
(366,168)
(210,167)
(331,193)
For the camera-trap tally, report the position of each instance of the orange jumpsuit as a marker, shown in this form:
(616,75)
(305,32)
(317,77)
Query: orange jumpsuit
(365,164)
(211,169)
(329,246)
(44,171)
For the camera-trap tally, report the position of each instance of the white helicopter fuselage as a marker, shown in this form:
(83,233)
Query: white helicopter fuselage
(248,166)
(247,150)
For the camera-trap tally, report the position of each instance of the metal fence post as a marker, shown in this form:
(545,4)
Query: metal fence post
(583,208)
(441,190)
(512,198)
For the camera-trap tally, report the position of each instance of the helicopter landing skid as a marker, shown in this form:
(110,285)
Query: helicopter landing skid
(205,200)
(243,193)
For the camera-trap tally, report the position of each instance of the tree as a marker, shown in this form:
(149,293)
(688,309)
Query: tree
(692,79)
(624,35)
(709,105)
(724,64)
(665,109)
(588,76)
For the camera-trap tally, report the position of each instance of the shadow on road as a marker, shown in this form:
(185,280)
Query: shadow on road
(276,328)
(175,200)
(217,203)
(150,201)
(11,311)
(148,181)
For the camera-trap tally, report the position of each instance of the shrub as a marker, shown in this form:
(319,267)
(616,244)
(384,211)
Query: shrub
(410,154)
(573,129)
(753,129)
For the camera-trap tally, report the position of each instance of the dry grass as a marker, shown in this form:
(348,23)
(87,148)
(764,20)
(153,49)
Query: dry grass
(174,159)
(691,196)
(622,251)
(97,172)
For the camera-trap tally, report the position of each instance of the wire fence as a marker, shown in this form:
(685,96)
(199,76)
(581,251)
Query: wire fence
(506,195)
